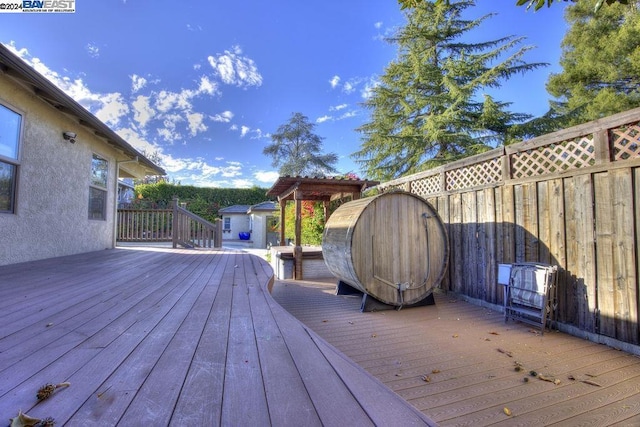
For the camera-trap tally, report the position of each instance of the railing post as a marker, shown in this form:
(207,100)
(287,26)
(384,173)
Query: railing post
(174,223)
(218,235)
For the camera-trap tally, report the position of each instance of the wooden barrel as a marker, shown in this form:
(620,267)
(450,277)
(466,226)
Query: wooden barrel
(393,247)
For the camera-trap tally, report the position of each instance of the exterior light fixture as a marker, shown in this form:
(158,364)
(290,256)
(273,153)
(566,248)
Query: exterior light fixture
(69,136)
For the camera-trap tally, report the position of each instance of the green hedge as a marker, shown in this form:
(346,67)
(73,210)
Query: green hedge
(204,202)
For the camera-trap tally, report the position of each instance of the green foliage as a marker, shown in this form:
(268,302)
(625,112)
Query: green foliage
(204,202)
(312,225)
(600,62)
(297,151)
(425,112)
(536,4)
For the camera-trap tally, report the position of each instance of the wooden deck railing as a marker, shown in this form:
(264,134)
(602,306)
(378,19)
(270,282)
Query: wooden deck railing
(176,225)
(190,230)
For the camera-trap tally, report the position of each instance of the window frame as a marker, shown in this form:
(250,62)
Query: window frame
(96,188)
(12,162)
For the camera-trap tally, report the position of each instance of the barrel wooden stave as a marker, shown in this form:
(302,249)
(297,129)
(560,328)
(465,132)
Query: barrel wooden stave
(376,243)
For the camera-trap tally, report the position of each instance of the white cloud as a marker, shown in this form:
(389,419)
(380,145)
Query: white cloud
(378,25)
(235,69)
(338,107)
(113,109)
(93,50)
(194,27)
(348,87)
(196,124)
(323,119)
(167,100)
(207,86)
(137,83)
(268,177)
(367,90)
(334,82)
(347,115)
(224,117)
(142,111)
(153,120)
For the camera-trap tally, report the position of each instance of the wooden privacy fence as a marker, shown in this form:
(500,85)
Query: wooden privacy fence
(176,225)
(569,198)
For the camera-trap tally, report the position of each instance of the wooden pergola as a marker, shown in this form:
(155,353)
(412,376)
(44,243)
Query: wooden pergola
(323,190)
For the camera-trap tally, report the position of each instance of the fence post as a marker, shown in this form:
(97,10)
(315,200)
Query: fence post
(174,222)
(601,146)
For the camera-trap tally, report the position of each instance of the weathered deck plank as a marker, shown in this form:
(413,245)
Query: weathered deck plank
(468,354)
(172,337)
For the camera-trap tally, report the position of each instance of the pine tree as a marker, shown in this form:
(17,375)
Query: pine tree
(600,62)
(427,109)
(297,151)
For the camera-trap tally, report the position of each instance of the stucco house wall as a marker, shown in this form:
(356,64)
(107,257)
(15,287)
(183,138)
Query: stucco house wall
(244,218)
(51,215)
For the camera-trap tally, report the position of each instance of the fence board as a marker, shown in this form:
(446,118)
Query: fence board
(604,253)
(457,253)
(625,289)
(469,244)
(585,248)
(569,198)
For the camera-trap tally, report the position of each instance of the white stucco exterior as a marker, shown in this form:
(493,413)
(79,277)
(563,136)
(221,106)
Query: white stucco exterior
(253,219)
(52,192)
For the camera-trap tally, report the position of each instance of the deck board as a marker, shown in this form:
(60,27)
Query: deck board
(172,337)
(465,350)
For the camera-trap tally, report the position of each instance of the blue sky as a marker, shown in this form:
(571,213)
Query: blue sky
(205,83)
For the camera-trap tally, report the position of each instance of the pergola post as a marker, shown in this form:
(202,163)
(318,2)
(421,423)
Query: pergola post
(297,250)
(283,205)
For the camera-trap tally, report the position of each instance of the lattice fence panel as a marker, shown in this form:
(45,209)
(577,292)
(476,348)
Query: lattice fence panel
(474,175)
(572,154)
(626,142)
(427,185)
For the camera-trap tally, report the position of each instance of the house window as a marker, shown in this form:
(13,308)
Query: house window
(98,188)
(226,226)
(10,128)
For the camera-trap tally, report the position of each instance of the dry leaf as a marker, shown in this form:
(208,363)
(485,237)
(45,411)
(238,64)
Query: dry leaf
(494,333)
(325,321)
(508,353)
(426,378)
(591,383)
(48,389)
(24,420)
(507,411)
(373,335)
(435,371)
(455,335)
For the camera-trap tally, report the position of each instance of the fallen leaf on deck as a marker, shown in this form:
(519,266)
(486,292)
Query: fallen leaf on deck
(549,379)
(508,353)
(591,383)
(455,335)
(435,371)
(49,325)
(426,378)
(48,389)
(373,335)
(494,333)
(325,321)
(24,420)
(507,411)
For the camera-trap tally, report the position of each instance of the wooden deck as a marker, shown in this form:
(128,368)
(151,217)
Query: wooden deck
(456,361)
(173,337)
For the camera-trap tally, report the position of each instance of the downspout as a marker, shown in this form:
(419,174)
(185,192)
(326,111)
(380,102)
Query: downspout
(115,205)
